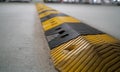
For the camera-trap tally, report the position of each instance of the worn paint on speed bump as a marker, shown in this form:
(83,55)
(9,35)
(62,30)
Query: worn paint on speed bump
(90,50)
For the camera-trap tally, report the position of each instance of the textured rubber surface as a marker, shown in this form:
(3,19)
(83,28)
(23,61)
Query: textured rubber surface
(77,47)
(91,53)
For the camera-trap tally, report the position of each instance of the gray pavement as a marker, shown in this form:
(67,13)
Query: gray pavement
(23,47)
(105,18)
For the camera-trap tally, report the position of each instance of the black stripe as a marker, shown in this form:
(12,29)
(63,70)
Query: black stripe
(45,11)
(68,31)
(51,16)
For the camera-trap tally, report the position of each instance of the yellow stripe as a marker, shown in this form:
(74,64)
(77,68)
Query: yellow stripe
(48,13)
(43,9)
(100,39)
(53,22)
(40,6)
(87,53)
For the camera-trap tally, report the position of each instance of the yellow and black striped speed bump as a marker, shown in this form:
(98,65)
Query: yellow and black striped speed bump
(77,47)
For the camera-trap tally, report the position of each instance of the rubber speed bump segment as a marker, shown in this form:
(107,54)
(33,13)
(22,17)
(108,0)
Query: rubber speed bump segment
(65,32)
(91,53)
(77,47)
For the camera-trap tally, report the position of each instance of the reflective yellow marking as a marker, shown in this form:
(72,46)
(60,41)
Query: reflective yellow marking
(53,22)
(48,13)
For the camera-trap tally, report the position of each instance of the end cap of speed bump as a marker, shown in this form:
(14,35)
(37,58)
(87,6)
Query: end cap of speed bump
(65,32)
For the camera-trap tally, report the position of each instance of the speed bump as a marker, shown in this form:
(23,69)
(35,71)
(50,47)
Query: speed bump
(77,47)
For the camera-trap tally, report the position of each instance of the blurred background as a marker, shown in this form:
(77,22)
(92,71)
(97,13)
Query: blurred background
(108,2)
(93,2)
